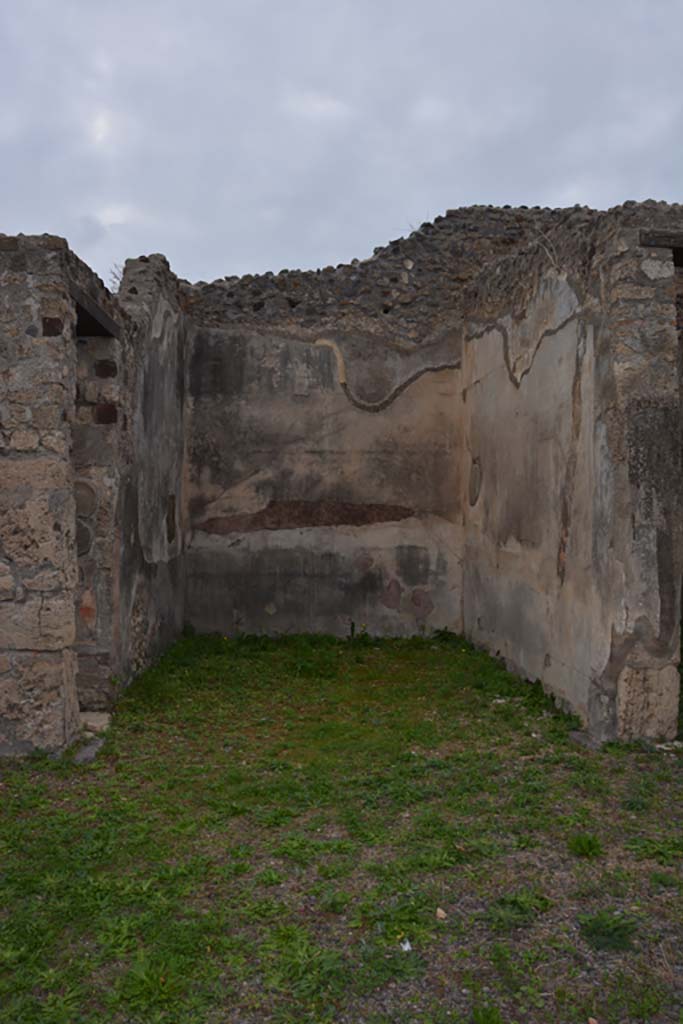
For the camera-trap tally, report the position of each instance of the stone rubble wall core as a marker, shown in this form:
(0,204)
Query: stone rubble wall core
(478,429)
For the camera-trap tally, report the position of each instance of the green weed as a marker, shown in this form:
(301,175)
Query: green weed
(664,849)
(583,844)
(664,880)
(608,930)
(487,1014)
(517,910)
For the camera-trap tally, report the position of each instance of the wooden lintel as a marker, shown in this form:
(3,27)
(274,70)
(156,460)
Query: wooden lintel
(662,239)
(108,326)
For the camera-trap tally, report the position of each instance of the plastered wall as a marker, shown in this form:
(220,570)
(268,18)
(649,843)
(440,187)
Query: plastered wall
(572,420)
(324,459)
(150,567)
(527,421)
(322,486)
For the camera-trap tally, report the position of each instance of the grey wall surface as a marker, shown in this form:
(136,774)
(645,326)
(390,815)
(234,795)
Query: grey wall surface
(322,484)
(150,572)
(572,419)
(528,421)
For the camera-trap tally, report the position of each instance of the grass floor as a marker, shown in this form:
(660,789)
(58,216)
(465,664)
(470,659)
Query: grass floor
(318,830)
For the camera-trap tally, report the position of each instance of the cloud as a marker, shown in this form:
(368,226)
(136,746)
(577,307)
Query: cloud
(246,137)
(431,110)
(100,128)
(315,106)
(117,214)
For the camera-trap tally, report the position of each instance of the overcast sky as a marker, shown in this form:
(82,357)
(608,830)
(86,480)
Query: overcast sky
(249,135)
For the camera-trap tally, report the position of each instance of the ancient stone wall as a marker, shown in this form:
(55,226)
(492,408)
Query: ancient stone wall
(91,427)
(38,571)
(408,291)
(324,459)
(637,554)
(572,555)
(477,428)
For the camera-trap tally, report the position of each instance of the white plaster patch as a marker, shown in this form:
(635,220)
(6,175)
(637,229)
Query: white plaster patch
(657,270)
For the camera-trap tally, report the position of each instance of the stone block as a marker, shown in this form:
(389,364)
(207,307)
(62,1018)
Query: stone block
(647,703)
(57,619)
(55,441)
(657,270)
(47,417)
(38,706)
(96,688)
(24,440)
(36,512)
(95,721)
(7,583)
(86,498)
(24,377)
(46,580)
(38,623)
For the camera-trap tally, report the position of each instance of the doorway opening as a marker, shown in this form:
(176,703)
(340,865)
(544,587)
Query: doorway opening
(95,459)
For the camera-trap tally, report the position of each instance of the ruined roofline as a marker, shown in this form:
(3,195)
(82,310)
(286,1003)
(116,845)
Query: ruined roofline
(455,215)
(410,291)
(401,291)
(426,229)
(413,289)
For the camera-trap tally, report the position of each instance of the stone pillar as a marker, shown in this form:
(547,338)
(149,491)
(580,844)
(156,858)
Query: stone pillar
(38,572)
(638,549)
